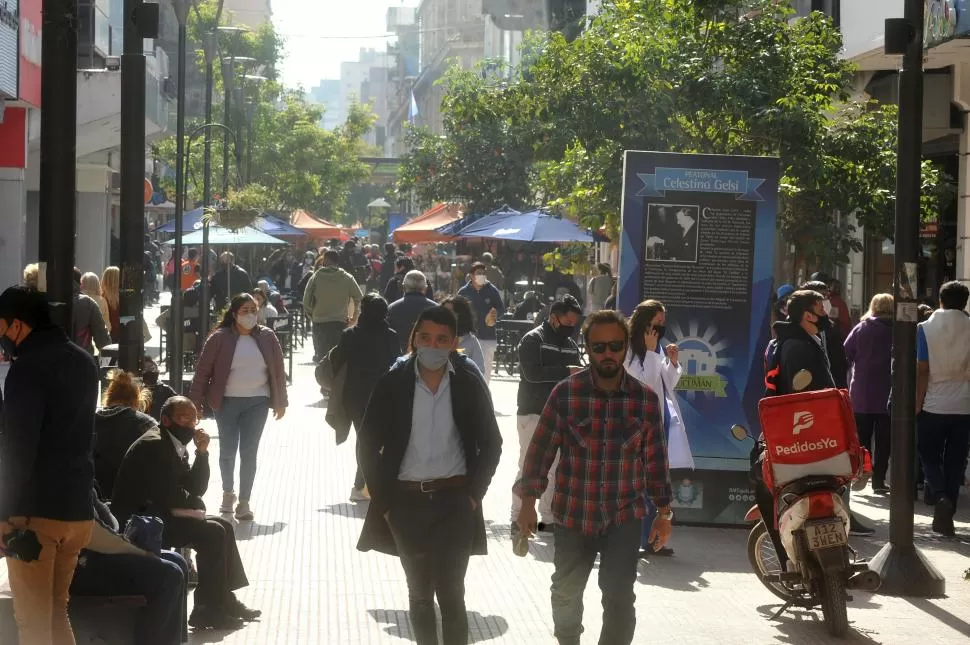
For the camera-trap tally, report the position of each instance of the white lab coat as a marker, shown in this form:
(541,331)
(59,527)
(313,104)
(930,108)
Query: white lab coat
(656,371)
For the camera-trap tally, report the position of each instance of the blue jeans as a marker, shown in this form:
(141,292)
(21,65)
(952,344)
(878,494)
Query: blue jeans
(162,581)
(574,556)
(942,442)
(240,421)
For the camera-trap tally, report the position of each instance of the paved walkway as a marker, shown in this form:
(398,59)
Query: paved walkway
(315,588)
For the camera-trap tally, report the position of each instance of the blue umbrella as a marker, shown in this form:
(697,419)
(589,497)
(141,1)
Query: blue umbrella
(272,225)
(219,235)
(534,226)
(454,228)
(191,221)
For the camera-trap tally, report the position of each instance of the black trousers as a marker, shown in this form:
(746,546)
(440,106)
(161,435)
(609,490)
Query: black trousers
(433,533)
(220,568)
(875,433)
(325,337)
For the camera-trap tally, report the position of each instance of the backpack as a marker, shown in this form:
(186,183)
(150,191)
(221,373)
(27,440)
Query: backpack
(772,367)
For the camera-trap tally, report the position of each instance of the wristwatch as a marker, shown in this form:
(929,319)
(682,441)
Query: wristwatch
(666,515)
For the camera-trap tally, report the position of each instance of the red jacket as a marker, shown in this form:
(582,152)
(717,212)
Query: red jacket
(215,363)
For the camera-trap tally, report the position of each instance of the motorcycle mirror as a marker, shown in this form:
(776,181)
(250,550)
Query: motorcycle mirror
(739,432)
(801,380)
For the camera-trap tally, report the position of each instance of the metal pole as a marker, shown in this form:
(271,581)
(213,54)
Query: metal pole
(903,568)
(227,79)
(177,315)
(58,155)
(250,117)
(132,234)
(210,53)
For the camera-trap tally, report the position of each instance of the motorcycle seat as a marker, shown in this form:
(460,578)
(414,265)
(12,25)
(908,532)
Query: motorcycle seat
(806,485)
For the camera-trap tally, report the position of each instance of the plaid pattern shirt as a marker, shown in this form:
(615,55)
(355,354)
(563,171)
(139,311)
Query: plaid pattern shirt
(613,454)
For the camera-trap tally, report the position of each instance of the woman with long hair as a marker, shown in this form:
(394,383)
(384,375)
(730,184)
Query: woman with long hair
(658,367)
(117,425)
(91,287)
(240,374)
(869,350)
(110,291)
(366,351)
(467,340)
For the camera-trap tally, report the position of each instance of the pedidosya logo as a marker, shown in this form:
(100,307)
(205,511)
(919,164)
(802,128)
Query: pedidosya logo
(807,446)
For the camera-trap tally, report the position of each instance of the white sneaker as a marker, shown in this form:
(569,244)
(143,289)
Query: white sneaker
(228,501)
(359,494)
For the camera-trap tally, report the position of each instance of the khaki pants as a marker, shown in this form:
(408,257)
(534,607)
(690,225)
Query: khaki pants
(526,425)
(40,588)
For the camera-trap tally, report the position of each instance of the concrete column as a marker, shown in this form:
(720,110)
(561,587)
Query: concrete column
(93,220)
(855,283)
(13,226)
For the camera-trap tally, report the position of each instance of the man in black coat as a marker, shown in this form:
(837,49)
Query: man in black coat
(229,281)
(46,466)
(155,479)
(429,447)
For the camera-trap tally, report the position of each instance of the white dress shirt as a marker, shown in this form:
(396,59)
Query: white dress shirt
(434,449)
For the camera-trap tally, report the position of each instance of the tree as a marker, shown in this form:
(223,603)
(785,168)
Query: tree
(301,165)
(706,76)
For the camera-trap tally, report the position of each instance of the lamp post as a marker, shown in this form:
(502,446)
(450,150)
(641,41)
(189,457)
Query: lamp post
(228,83)
(58,155)
(251,107)
(904,570)
(176,312)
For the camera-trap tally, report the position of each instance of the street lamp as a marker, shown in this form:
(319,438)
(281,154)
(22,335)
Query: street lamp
(228,80)
(250,106)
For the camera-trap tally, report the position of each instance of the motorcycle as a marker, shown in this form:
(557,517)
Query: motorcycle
(813,523)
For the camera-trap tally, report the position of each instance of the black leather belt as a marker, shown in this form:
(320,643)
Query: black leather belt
(434,485)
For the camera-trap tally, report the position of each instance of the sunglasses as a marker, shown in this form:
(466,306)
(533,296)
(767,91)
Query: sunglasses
(614,346)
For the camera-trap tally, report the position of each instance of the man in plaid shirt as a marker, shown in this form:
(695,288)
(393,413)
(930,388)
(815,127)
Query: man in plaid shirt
(606,427)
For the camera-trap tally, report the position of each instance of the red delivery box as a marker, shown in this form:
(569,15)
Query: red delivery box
(810,434)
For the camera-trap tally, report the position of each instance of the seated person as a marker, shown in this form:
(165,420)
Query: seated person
(274,296)
(111,566)
(160,392)
(117,426)
(155,479)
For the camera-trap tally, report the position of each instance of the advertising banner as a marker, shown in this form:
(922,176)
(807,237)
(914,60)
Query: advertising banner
(698,234)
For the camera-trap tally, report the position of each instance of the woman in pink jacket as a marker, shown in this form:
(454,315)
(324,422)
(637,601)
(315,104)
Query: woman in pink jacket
(240,374)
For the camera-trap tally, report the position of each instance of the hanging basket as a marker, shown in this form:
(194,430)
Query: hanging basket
(233,219)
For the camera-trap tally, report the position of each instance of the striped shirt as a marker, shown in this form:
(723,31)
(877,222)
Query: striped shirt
(613,454)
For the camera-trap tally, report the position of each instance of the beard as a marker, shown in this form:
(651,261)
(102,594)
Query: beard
(607,370)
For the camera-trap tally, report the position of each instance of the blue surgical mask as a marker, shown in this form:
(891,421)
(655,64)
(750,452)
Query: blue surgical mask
(433,358)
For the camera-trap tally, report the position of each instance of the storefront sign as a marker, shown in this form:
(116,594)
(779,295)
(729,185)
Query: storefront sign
(939,21)
(13,138)
(30,51)
(9,31)
(698,234)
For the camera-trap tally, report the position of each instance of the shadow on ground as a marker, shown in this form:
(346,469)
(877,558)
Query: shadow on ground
(480,628)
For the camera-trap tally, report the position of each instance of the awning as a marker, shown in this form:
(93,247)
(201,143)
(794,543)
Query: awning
(318,229)
(219,235)
(423,227)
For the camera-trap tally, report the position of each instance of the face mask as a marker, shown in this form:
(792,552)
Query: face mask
(183,434)
(566,331)
(827,306)
(433,358)
(661,331)
(823,323)
(247,321)
(480,280)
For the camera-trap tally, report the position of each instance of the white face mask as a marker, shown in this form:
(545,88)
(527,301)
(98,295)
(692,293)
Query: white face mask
(246,321)
(827,306)
(480,280)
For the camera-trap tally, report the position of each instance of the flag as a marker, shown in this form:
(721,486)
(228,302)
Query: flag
(412,110)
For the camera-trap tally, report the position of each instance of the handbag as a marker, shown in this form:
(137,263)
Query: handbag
(145,532)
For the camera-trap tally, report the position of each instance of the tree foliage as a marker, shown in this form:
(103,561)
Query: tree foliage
(712,76)
(300,164)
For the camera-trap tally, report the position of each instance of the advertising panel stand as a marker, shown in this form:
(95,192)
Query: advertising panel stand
(698,234)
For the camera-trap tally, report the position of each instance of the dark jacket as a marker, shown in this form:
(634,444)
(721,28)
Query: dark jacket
(833,341)
(47,429)
(402,315)
(367,352)
(543,359)
(223,288)
(800,351)
(153,479)
(483,300)
(869,351)
(394,289)
(160,394)
(386,433)
(116,429)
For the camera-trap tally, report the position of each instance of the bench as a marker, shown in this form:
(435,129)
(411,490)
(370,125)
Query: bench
(96,620)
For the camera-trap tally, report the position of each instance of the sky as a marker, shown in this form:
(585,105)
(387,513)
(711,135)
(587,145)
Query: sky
(319,35)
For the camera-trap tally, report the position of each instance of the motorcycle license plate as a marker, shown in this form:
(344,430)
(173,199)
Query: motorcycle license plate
(824,535)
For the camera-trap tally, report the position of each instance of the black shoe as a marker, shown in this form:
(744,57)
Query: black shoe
(858,528)
(665,552)
(236,609)
(943,517)
(880,489)
(211,618)
(544,527)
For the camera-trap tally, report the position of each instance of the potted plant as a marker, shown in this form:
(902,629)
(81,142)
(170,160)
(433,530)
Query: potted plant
(240,208)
